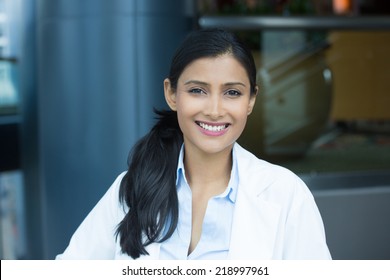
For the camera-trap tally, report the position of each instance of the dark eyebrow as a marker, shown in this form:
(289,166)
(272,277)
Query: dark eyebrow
(206,84)
(235,84)
(196,82)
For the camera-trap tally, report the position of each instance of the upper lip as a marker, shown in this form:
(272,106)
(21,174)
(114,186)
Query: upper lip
(213,123)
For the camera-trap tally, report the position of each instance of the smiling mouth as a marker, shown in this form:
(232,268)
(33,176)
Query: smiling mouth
(212,128)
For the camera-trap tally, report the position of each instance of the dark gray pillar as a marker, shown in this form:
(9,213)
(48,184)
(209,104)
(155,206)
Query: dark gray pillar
(29,131)
(100,68)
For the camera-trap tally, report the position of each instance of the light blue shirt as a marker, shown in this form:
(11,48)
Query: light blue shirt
(215,238)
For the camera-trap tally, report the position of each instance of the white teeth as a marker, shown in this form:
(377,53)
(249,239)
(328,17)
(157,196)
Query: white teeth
(213,128)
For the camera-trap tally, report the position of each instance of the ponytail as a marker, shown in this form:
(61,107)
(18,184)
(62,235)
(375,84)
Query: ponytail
(149,187)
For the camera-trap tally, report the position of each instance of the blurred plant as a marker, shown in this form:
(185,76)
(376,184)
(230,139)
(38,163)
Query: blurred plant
(299,7)
(266,7)
(257,7)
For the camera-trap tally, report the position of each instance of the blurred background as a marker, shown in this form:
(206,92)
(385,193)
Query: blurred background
(79,79)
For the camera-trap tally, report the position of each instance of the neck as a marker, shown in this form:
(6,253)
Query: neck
(210,172)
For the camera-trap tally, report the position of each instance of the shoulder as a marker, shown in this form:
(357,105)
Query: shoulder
(95,236)
(109,205)
(262,177)
(113,191)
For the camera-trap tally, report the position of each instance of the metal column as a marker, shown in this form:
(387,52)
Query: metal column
(100,69)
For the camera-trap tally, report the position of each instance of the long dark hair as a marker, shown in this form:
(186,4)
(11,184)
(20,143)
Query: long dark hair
(149,186)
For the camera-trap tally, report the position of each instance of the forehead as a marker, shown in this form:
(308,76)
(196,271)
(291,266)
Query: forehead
(225,67)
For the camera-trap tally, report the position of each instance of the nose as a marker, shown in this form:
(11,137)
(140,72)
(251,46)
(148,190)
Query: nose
(214,108)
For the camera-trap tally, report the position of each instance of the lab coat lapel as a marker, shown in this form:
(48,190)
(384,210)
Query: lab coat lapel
(254,228)
(255,221)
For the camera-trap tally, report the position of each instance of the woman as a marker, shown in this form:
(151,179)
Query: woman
(191,192)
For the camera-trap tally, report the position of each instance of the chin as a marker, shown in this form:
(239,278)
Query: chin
(215,148)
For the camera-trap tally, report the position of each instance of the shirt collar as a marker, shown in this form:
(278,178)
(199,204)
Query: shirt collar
(231,190)
(180,171)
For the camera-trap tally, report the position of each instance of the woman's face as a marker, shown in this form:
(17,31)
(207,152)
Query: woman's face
(212,100)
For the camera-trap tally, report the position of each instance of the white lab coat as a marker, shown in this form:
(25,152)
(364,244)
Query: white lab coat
(275,217)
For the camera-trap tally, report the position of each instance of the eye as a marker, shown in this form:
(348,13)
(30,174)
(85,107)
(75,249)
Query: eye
(233,93)
(196,91)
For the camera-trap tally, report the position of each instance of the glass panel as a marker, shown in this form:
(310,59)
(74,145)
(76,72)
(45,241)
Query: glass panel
(323,103)
(9,97)
(12,219)
(295,93)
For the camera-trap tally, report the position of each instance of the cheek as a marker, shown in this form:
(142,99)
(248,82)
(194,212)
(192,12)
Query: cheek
(239,112)
(187,106)
(185,113)
(183,109)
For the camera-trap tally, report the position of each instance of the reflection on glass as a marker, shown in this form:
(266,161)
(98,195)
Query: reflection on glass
(323,102)
(293,107)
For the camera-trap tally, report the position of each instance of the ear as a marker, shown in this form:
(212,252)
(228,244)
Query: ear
(252,101)
(170,95)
